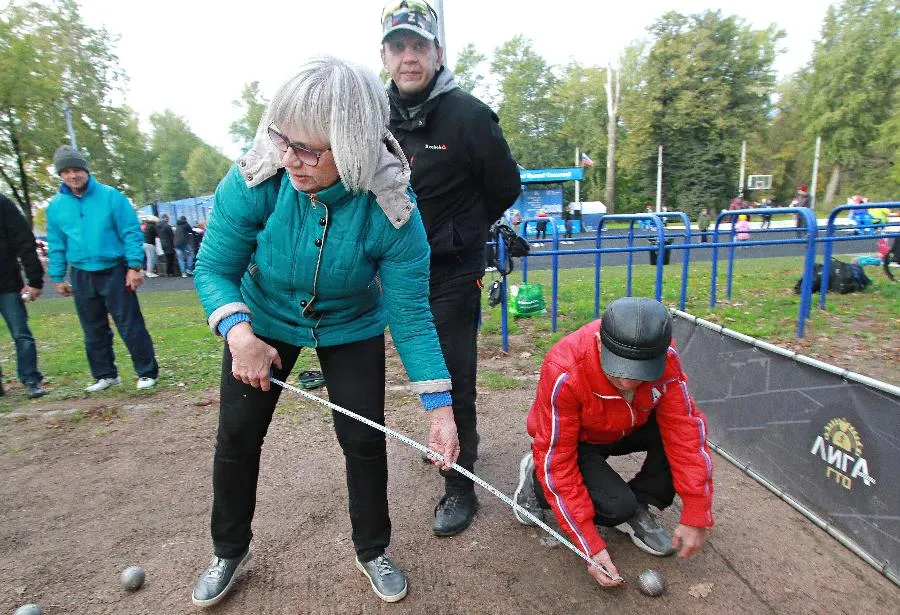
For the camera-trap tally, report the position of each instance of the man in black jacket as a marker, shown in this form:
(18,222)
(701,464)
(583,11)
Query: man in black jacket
(465,178)
(17,245)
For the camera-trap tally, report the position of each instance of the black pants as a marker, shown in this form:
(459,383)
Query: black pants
(456,306)
(355,376)
(615,500)
(170,263)
(99,295)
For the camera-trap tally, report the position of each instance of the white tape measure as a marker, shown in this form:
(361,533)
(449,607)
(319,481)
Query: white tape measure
(483,484)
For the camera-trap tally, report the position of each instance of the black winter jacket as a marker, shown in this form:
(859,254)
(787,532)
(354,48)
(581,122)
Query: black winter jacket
(17,245)
(463,174)
(166,236)
(183,234)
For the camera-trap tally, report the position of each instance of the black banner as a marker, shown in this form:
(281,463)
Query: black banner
(830,441)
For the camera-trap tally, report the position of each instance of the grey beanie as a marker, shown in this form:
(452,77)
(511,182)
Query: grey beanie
(67,157)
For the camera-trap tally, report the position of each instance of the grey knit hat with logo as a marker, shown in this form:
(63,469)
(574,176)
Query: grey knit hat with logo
(67,157)
(635,334)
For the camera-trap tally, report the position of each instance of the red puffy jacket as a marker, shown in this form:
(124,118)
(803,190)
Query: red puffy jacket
(576,403)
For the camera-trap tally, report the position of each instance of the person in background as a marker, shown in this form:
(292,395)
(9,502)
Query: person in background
(167,242)
(197,235)
(742,226)
(801,200)
(17,246)
(766,218)
(149,246)
(316,242)
(541,226)
(614,387)
(184,247)
(93,228)
(703,221)
(464,177)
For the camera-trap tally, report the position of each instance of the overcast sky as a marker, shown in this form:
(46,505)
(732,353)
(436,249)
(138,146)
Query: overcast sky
(194,56)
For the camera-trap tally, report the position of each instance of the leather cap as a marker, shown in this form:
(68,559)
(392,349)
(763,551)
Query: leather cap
(635,334)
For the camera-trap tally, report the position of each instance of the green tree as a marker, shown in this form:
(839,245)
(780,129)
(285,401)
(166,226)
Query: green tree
(252,105)
(204,169)
(850,91)
(528,111)
(466,71)
(703,87)
(171,146)
(48,58)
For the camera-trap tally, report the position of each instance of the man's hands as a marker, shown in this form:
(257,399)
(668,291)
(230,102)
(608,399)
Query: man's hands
(251,358)
(605,560)
(690,539)
(33,293)
(63,288)
(442,437)
(134,279)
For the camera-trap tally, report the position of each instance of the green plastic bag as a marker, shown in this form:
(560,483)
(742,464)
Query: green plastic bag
(526,300)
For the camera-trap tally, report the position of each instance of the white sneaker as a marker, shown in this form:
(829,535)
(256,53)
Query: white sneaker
(150,274)
(146,383)
(184,275)
(103,384)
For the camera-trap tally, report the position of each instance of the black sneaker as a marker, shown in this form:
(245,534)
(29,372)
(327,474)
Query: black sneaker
(454,513)
(33,391)
(647,534)
(524,495)
(387,580)
(216,581)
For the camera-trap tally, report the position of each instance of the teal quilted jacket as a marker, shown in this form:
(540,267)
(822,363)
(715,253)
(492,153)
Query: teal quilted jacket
(320,270)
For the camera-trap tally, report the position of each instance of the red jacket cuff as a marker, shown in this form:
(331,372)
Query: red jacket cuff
(696,511)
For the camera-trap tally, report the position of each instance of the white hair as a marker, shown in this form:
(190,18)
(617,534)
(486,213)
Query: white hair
(339,103)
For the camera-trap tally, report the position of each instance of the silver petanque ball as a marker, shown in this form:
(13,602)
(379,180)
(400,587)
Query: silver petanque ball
(651,583)
(28,609)
(132,578)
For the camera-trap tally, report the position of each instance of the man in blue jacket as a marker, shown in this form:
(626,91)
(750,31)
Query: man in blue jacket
(93,228)
(464,177)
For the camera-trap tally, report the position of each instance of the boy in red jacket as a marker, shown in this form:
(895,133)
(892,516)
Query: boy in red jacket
(616,387)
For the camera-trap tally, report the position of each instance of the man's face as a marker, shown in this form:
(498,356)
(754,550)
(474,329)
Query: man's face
(411,60)
(624,384)
(75,179)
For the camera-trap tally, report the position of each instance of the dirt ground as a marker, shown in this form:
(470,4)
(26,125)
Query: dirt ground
(85,495)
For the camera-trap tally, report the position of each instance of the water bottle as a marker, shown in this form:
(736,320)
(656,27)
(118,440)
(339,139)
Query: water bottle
(26,296)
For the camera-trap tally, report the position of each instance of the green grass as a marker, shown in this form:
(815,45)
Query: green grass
(763,306)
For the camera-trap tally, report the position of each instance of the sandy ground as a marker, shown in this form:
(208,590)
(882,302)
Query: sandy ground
(84,496)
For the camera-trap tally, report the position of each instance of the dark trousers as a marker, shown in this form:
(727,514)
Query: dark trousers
(170,263)
(13,310)
(615,500)
(99,295)
(456,307)
(355,376)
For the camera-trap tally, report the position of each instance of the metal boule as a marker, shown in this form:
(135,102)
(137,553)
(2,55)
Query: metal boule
(651,583)
(132,578)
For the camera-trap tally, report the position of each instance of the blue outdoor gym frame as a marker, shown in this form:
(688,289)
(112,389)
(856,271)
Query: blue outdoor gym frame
(664,242)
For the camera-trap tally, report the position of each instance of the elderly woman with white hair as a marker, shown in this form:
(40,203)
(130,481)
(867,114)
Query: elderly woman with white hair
(315,241)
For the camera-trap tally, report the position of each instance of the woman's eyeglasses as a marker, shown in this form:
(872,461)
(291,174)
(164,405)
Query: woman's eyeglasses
(306,156)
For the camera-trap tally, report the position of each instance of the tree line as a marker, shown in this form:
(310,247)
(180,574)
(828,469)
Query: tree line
(698,85)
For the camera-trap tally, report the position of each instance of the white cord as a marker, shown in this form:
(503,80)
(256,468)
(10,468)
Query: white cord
(481,483)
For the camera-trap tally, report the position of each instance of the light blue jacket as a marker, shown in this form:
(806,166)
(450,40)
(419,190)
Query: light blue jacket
(320,270)
(95,231)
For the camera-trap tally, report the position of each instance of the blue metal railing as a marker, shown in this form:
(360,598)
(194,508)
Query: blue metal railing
(810,229)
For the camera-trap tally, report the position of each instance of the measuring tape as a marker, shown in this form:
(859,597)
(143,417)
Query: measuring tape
(483,484)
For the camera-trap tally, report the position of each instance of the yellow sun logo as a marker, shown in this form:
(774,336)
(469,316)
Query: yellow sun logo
(843,435)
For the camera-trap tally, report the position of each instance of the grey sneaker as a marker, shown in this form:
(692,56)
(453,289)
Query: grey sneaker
(524,495)
(215,582)
(387,580)
(647,534)
(103,384)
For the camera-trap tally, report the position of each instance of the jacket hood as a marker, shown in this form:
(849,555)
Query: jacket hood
(390,183)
